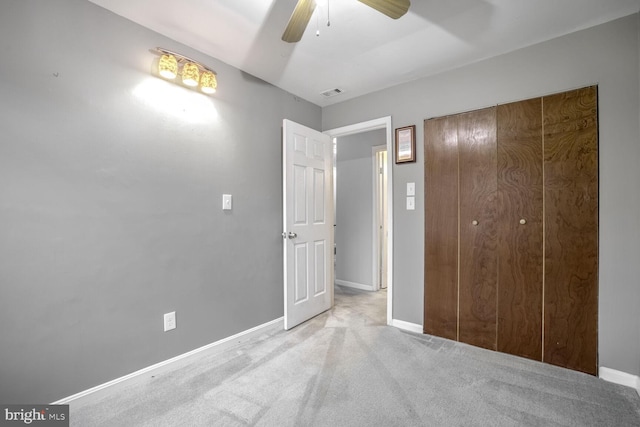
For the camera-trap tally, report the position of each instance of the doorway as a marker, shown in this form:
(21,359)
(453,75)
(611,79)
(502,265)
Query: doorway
(386,256)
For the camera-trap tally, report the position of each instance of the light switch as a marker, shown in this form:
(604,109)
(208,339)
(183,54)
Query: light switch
(227,202)
(411,188)
(411,203)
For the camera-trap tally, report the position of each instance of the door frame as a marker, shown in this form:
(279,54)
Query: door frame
(380,123)
(377,221)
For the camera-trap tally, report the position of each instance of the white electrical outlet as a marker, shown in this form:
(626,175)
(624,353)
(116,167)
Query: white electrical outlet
(169,321)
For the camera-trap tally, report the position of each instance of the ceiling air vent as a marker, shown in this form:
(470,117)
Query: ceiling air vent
(331,92)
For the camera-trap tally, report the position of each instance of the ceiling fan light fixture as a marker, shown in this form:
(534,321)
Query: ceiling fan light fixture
(304,9)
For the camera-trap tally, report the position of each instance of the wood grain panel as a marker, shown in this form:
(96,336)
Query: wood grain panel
(441,227)
(520,246)
(478,252)
(571,234)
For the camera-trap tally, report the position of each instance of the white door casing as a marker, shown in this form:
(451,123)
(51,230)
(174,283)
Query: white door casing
(307,223)
(380,123)
(380,216)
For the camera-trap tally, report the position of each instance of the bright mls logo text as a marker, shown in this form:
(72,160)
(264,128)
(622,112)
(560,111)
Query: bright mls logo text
(44,415)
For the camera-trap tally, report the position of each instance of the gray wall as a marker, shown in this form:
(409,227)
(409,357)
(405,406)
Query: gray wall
(354,206)
(606,55)
(110,201)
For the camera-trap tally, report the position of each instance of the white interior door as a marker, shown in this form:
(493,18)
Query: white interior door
(308,223)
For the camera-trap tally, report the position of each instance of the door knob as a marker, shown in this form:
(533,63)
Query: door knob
(292,235)
(523,221)
(474,222)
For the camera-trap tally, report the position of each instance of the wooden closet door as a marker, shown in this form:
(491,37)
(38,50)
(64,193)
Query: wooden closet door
(520,238)
(478,228)
(571,235)
(441,227)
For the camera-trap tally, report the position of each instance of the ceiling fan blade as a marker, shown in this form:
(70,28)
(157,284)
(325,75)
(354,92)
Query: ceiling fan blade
(392,8)
(298,21)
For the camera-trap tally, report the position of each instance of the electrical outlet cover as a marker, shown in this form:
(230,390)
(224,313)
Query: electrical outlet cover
(169,321)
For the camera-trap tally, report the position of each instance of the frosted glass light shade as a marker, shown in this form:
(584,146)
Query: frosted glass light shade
(168,66)
(190,74)
(208,82)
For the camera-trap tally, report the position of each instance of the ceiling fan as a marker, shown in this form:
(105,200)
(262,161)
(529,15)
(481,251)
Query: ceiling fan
(304,9)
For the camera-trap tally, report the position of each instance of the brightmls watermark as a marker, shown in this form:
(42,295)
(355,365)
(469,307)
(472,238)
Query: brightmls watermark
(34,415)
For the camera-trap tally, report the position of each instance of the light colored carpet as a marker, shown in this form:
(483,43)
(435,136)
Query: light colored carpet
(346,368)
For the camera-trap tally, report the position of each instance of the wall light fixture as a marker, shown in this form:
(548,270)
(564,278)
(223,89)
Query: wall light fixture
(170,65)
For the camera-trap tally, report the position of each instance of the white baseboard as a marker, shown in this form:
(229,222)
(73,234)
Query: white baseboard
(407,326)
(239,338)
(354,285)
(619,377)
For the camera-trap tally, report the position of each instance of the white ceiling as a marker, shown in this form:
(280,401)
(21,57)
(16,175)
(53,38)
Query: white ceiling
(362,50)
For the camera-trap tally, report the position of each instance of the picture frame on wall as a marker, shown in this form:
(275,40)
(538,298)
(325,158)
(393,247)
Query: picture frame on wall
(406,144)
